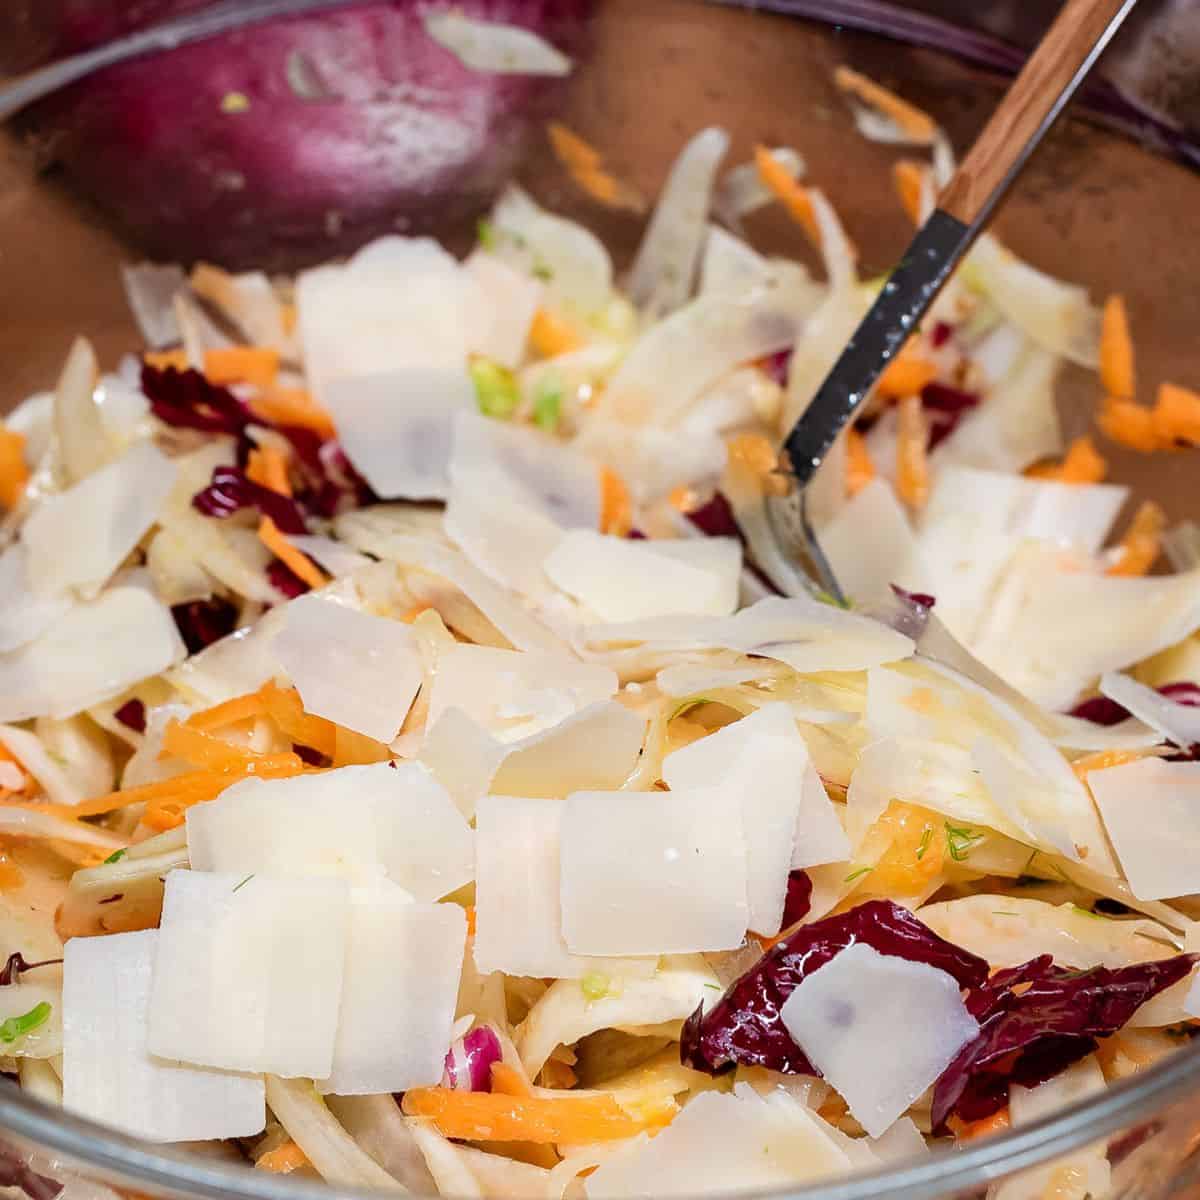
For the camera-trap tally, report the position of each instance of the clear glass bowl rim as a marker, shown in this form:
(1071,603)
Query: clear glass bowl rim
(129,1162)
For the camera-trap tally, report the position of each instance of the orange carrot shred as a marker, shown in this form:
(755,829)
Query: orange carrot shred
(1140,547)
(906,375)
(551,335)
(283,1159)
(792,194)
(571,149)
(294,406)
(917,124)
(584,163)
(1083,463)
(14,474)
(491,1116)
(284,707)
(228,712)
(967,1130)
(908,176)
(351,749)
(267,466)
(860,470)
(1116,351)
(257,365)
(295,560)
(1129,424)
(912,465)
(683,499)
(616,508)
(1176,414)
(470,910)
(164,360)
(1101,761)
(508,1081)
(204,750)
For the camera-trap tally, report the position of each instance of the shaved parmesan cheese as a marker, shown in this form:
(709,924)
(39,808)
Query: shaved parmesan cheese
(1010,930)
(518,927)
(93,652)
(403,962)
(108,1072)
(835,1017)
(820,836)
(248,974)
(79,537)
(398,303)
(462,756)
(349,823)
(494,47)
(514,695)
(761,762)
(900,1143)
(691,679)
(1151,810)
(354,669)
(722,1142)
(26,614)
(566,1013)
(397,426)
(510,301)
(1178,723)
(623,580)
(870,545)
(664,270)
(330,554)
(596,749)
(653,873)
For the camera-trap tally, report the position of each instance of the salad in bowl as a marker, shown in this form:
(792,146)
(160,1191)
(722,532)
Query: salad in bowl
(420,769)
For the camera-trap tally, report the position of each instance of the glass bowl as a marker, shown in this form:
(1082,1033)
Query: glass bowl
(1094,207)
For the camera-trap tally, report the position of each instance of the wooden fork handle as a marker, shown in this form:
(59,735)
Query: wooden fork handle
(1066,48)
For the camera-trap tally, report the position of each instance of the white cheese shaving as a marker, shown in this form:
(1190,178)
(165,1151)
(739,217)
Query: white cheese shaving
(403,962)
(78,538)
(108,1072)
(653,873)
(835,1017)
(248,974)
(352,668)
(510,301)
(1178,723)
(623,580)
(26,614)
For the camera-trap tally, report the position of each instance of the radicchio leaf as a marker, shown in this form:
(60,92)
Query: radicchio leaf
(715,519)
(798,901)
(1100,710)
(231,491)
(16,1174)
(132,714)
(16,966)
(470,1060)
(1035,1020)
(285,579)
(945,406)
(202,622)
(186,400)
(745,1027)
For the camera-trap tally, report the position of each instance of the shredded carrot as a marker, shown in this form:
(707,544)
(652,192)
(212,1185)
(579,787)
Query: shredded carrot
(965,1131)
(571,149)
(1142,543)
(1101,761)
(906,375)
(912,464)
(1176,414)
(551,335)
(267,466)
(283,1160)
(616,508)
(284,707)
(758,454)
(257,365)
(293,406)
(792,194)
(204,750)
(683,499)
(295,560)
(167,360)
(908,176)
(508,1081)
(860,470)
(917,124)
(289,315)
(1129,424)
(584,163)
(351,749)
(491,1116)
(228,712)
(1083,463)
(168,811)
(470,910)
(14,474)
(1116,351)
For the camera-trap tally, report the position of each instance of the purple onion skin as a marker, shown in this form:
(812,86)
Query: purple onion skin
(470,1060)
(354,124)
